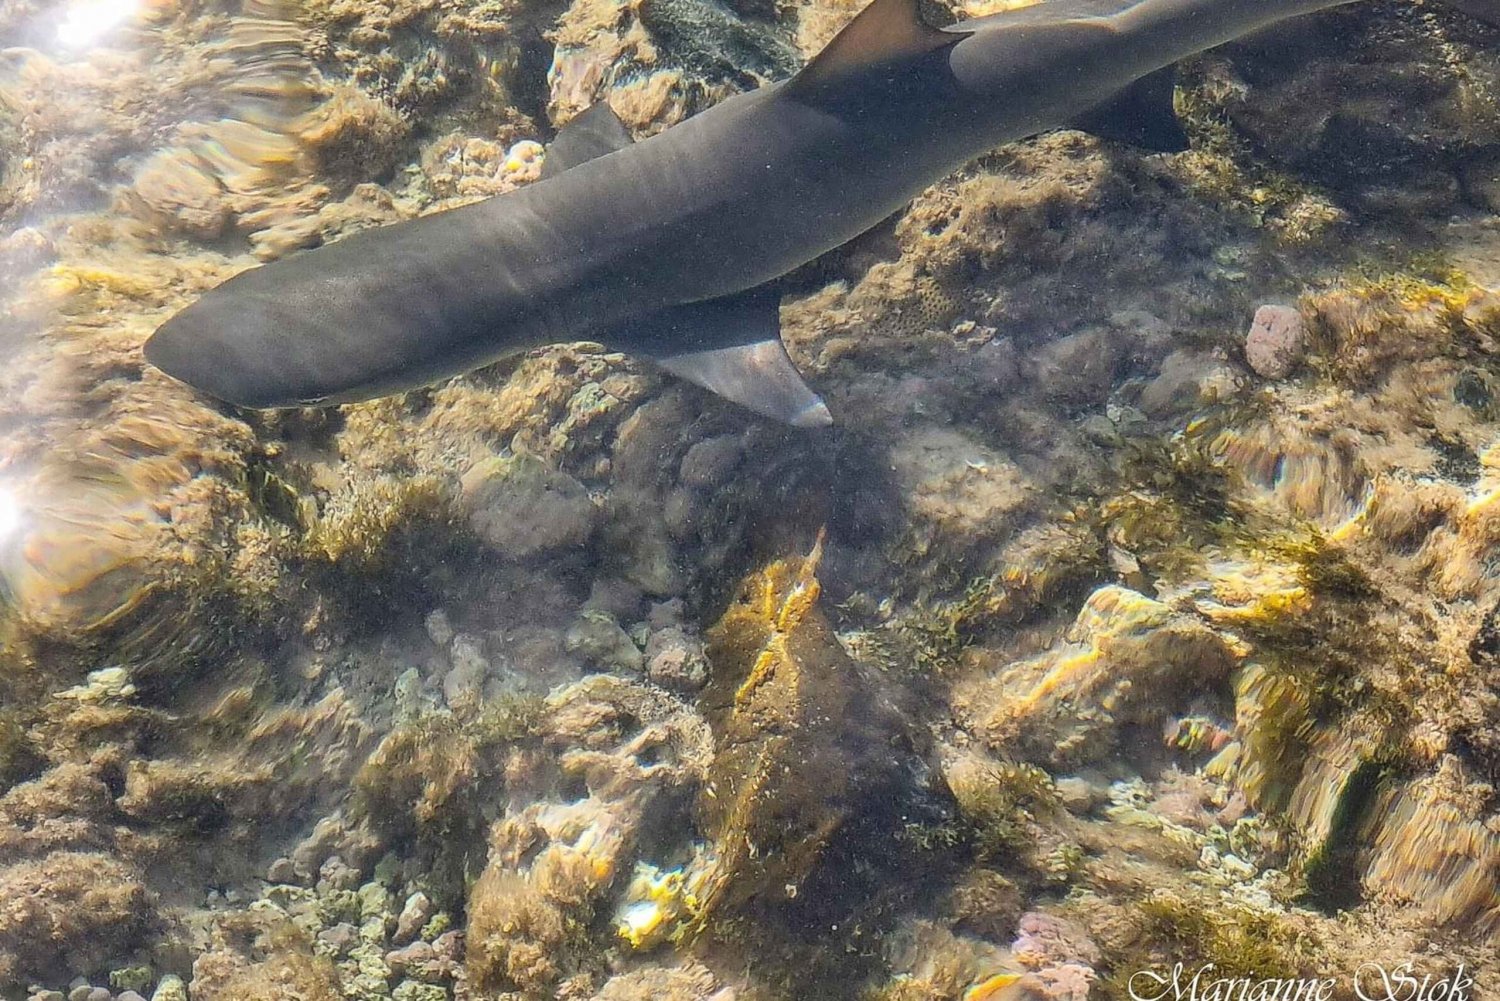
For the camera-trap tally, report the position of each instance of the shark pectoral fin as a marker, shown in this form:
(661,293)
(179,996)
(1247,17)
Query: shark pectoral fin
(592,133)
(1140,115)
(758,376)
(887,31)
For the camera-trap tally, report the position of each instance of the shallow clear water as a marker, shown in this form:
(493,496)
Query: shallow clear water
(1135,621)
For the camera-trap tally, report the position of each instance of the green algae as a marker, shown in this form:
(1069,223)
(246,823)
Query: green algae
(424,787)
(999,806)
(363,533)
(1032,580)
(1223,170)
(422,766)
(1330,871)
(20,759)
(1240,942)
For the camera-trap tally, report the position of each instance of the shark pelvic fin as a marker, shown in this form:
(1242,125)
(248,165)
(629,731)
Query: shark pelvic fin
(758,376)
(1140,115)
(885,32)
(589,134)
(730,346)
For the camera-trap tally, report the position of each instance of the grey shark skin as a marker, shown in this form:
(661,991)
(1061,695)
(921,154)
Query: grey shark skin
(664,248)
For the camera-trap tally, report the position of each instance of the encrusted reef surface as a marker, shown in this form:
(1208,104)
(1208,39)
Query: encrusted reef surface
(1143,608)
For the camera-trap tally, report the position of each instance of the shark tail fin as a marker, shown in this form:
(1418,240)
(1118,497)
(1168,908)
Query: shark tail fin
(1487,11)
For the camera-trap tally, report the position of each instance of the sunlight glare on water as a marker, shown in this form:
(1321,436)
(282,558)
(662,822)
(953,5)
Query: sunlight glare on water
(10,514)
(86,22)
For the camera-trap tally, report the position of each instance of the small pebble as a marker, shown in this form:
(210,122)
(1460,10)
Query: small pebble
(463,684)
(598,637)
(439,629)
(676,659)
(413,916)
(41,995)
(336,875)
(1077,795)
(373,930)
(100,994)
(80,993)
(411,990)
(77,982)
(129,996)
(665,613)
(440,923)
(341,937)
(401,960)
(281,871)
(712,461)
(26,247)
(388,869)
(374,901)
(131,978)
(449,945)
(467,654)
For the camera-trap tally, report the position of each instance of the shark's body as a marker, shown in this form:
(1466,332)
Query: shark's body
(665,247)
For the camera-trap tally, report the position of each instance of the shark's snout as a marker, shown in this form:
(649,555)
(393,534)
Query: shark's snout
(176,350)
(194,347)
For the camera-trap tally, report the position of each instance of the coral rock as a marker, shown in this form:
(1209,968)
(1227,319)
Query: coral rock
(1276,340)
(1128,659)
(522,508)
(69,909)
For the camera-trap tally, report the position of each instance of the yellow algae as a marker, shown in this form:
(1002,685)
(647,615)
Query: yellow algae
(1110,612)
(1244,592)
(785,781)
(1064,703)
(784,609)
(1272,713)
(993,988)
(70,279)
(661,906)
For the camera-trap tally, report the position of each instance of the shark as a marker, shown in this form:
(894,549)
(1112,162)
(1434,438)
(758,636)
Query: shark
(676,248)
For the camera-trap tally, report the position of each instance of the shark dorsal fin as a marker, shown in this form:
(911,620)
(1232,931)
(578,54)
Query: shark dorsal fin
(589,134)
(885,32)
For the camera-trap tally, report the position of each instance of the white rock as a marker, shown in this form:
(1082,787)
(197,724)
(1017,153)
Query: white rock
(439,629)
(416,913)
